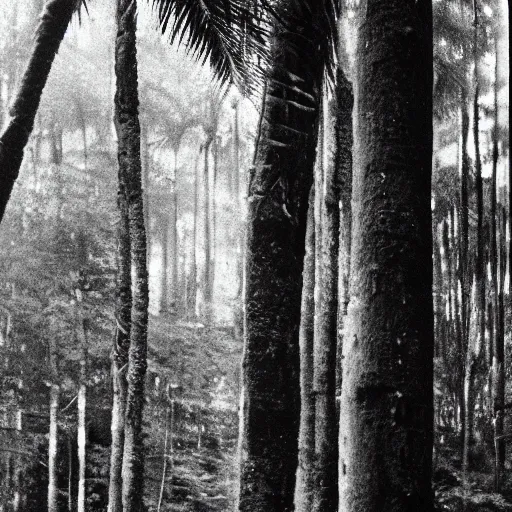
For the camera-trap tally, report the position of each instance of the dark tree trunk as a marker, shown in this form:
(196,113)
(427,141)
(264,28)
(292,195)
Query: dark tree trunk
(278,196)
(120,348)
(49,34)
(386,427)
(306,466)
(127,123)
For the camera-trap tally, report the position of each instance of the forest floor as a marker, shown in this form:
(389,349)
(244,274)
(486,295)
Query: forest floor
(475,493)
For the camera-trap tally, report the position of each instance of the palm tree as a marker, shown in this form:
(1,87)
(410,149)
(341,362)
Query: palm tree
(386,429)
(280,180)
(50,32)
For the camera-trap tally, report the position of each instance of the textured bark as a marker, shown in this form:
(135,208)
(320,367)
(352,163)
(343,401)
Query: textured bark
(386,425)
(120,350)
(49,34)
(128,127)
(306,466)
(278,196)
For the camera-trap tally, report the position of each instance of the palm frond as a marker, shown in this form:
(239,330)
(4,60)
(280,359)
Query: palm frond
(227,33)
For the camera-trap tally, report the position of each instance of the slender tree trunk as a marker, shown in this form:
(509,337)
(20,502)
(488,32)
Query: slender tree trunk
(386,429)
(472,355)
(174,237)
(499,349)
(193,264)
(127,124)
(278,196)
(306,466)
(207,235)
(82,397)
(168,451)
(164,294)
(53,490)
(49,34)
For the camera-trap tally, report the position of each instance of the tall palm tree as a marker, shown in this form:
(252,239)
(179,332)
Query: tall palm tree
(301,45)
(204,23)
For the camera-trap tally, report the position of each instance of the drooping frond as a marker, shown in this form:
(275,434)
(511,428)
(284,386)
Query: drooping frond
(224,32)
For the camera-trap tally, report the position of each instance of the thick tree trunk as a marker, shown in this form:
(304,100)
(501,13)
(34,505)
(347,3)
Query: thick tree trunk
(278,196)
(306,466)
(386,426)
(127,124)
(49,34)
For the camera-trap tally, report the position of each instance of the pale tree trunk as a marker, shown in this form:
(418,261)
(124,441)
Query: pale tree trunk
(82,397)
(326,324)
(127,123)
(306,465)
(164,285)
(53,491)
(49,34)
(386,426)
(174,236)
(278,197)
(207,235)
(192,305)
(168,452)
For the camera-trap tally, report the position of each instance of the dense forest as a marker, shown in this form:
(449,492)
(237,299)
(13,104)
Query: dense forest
(255,255)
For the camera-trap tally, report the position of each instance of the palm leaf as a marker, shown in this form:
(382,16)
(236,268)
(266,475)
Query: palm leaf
(227,33)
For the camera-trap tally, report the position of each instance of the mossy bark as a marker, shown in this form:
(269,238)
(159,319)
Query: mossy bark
(49,34)
(278,197)
(386,424)
(128,128)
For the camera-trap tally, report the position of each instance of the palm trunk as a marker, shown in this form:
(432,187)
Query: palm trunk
(120,350)
(127,123)
(49,34)
(306,465)
(386,428)
(278,196)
